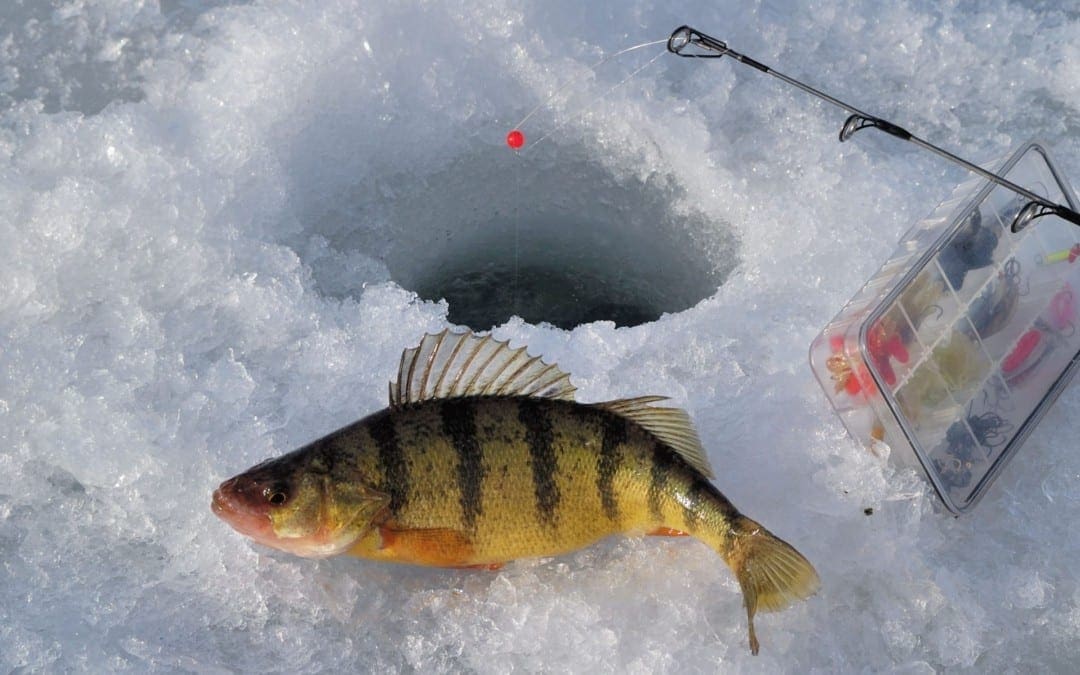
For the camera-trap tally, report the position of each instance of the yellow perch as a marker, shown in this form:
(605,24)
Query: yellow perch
(483,457)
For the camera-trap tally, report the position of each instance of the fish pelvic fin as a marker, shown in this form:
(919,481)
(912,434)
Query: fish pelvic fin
(771,573)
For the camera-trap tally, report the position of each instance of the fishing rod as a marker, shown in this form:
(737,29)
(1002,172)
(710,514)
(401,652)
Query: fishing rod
(685,37)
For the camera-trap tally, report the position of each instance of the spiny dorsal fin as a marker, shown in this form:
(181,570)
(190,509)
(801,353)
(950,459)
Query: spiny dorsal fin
(451,365)
(671,426)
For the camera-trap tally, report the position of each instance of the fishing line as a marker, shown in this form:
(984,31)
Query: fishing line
(514,291)
(581,114)
(685,38)
(516,138)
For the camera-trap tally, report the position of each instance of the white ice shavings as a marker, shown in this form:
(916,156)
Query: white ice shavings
(201,201)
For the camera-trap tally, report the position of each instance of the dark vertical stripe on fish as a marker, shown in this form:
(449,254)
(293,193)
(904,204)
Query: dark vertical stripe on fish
(663,462)
(614,435)
(541,441)
(391,461)
(691,502)
(459,423)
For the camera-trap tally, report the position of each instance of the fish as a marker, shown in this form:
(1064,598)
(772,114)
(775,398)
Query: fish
(484,456)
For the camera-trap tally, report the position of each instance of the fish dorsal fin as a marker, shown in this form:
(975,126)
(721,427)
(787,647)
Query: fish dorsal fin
(451,365)
(672,426)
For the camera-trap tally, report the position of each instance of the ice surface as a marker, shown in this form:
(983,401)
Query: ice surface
(198,201)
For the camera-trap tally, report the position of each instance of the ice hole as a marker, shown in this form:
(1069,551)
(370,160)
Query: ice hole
(557,240)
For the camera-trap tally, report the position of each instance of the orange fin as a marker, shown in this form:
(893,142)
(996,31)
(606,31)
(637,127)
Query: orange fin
(667,532)
(490,567)
(437,547)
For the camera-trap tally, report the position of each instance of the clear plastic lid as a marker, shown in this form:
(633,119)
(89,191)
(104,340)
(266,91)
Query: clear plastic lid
(954,350)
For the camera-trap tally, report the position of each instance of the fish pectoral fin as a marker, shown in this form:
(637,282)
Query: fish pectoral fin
(435,547)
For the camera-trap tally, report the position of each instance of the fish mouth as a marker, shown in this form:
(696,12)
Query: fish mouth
(219,504)
(224,501)
(227,505)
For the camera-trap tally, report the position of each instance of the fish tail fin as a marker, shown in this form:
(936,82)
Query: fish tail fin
(770,571)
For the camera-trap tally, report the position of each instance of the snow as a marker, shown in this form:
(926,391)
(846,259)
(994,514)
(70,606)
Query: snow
(215,216)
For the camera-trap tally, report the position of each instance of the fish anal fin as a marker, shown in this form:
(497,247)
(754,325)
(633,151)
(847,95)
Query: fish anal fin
(670,426)
(667,532)
(490,567)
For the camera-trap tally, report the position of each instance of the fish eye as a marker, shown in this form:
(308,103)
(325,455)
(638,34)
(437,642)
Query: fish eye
(276,496)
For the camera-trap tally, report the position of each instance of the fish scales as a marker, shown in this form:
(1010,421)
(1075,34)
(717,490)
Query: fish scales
(613,436)
(526,477)
(392,462)
(484,457)
(540,438)
(459,423)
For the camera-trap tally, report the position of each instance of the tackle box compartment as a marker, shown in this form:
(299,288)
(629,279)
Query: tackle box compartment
(953,351)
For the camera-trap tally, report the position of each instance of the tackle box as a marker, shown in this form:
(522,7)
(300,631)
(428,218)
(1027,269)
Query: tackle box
(953,351)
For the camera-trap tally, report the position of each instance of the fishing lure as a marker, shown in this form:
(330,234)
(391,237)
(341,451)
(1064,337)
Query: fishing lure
(987,431)
(1049,330)
(954,472)
(959,361)
(971,248)
(884,343)
(1070,254)
(1025,355)
(843,375)
(1062,311)
(921,299)
(953,366)
(994,309)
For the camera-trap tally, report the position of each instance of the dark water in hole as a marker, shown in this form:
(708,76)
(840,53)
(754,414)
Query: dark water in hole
(559,240)
(565,298)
